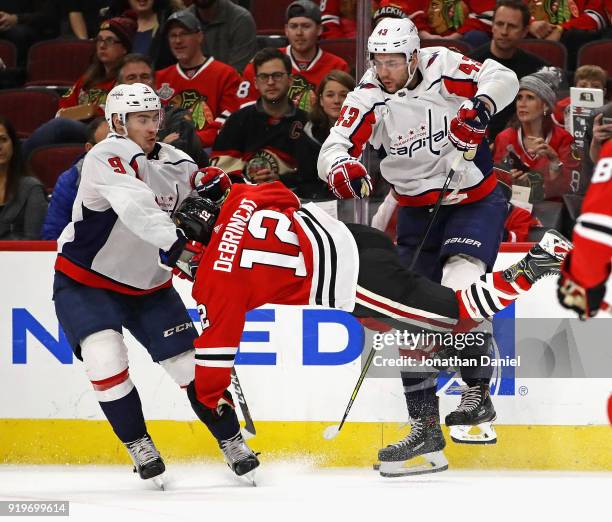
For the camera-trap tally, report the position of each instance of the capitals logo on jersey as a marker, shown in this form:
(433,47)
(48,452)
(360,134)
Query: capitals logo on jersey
(426,137)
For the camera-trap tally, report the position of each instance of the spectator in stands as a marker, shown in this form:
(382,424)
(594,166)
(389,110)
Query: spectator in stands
(150,38)
(309,64)
(572,23)
(265,141)
(84,16)
(331,94)
(24,22)
(178,129)
(468,20)
(338,18)
(202,85)
(85,100)
(534,151)
(229,31)
(22,198)
(59,213)
(586,77)
(510,21)
(87,96)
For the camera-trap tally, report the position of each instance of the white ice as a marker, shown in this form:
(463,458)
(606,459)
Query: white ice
(297,491)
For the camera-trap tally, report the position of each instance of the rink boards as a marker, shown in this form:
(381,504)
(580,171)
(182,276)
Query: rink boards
(297,368)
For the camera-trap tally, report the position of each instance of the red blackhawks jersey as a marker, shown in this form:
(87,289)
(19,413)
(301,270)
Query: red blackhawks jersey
(592,252)
(265,248)
(306,78)
(96,94)
(586,15)
(511,140)
(338,18)
(210,95)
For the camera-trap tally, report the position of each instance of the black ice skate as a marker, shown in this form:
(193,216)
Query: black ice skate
(239,457)
(425,439)
(147,460)
(544,259)
(474,413)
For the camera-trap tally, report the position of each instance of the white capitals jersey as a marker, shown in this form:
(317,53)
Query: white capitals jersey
(121,216)
(413,125)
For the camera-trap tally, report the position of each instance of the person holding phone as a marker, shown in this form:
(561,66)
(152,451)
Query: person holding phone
(534,149)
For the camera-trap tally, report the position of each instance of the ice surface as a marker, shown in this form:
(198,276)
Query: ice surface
(208,492)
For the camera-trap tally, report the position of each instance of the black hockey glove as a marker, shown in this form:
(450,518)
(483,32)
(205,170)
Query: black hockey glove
(196,217)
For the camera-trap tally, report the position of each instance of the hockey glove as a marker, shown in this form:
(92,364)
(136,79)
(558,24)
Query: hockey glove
(584,301)
(467,129)
(211,183)
(349,179)
(168,258)
(196,216)
(188,261)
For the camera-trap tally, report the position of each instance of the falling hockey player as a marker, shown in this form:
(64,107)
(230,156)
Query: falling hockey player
(424,107)
(264,247)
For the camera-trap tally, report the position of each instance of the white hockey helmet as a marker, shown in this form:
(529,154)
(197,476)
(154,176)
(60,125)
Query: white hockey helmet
(394,35)
(123,99)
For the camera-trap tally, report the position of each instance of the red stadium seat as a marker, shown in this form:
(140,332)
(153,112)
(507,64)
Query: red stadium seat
(58,62)
(269,15)
(343,47)
(28,109)
(554,53)
(597,53)
(48,162)
(453,45)
(8,53)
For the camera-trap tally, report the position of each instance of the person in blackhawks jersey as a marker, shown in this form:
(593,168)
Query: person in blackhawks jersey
(309,63)
(262,246)
(426,108)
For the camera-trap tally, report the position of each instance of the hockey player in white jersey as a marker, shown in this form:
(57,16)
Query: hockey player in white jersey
(113,271)
(425,107)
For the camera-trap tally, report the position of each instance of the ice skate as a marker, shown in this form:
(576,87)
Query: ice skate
(239,457)
(471,422)
(425,439)
(147,460)
(544,259)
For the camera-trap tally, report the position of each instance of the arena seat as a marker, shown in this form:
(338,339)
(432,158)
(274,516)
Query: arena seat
(345,48)
(8,53)
(597,53)
(58,62)
(554,53)
(454,45)
(269,15)
(28,109)
(48,162)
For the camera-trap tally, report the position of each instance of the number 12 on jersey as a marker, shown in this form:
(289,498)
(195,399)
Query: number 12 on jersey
(282,224)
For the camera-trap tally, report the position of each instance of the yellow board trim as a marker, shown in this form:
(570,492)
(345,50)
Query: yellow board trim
(57,441)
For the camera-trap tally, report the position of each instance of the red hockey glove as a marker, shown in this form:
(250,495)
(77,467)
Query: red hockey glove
(211,183)
(584,301)
(349,179)
(467,129)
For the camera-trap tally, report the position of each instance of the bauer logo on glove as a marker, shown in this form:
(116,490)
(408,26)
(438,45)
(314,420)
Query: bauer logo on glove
(349,179)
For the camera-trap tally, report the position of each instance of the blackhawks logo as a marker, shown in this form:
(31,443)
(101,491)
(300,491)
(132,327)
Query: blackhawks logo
(302,93)
(554,11)
(443,15)
(195,103)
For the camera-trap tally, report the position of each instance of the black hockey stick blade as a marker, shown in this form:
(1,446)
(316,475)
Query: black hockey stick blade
(249,426)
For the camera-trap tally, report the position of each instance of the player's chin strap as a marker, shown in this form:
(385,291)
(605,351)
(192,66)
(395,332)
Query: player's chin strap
(411,74)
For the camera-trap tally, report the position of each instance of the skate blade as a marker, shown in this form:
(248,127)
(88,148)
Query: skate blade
(435,462)
(484,434)
(159,482)
(249,478)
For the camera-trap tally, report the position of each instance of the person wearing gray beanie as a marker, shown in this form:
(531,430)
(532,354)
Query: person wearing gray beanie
(534,151)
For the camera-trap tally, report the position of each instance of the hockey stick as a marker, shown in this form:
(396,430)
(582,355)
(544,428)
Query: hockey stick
(249,428)
(332,431)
